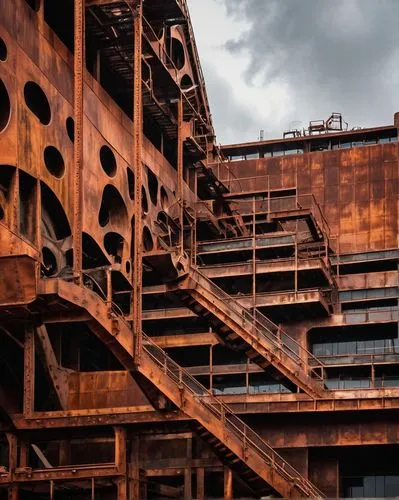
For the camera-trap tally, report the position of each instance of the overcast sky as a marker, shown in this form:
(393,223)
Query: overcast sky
(277,64)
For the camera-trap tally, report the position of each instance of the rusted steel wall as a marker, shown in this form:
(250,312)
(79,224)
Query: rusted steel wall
(35,54)
(357,189)
(104,390)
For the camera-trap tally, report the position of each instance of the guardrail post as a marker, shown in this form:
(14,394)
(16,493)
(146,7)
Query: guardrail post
(180,376)
(245,445)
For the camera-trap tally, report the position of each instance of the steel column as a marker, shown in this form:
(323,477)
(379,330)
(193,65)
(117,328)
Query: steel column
(29,372)
(180,170)
(79,57)
(138,177)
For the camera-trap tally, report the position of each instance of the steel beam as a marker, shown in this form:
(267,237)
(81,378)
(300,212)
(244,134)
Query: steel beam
(138,179)
(29,372)
(79,58)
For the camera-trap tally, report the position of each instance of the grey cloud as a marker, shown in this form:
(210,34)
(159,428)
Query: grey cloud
(334,55)
(231,119)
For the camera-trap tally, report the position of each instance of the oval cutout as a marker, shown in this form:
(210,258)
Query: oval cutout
(178,56)
(70,128)
(37,102)
(3,50)
(108,160)
(148,243)
(186,83)
(112,209)
(49,266)
(54,161)
(164,198)
(130,183)
(152,186)
(5,106)
(144,201)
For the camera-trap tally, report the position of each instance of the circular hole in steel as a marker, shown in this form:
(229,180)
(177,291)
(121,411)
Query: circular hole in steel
(49,266)
(37,102)
(152,186)
(128,267)
(70,128)
(164,198)
(148,243)
(3,50)
(54,161)
(108,161)
(130,183)
(5,106)
(177,54)
(144,201)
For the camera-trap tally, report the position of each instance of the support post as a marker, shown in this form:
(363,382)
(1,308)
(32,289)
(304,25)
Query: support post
(138,178)
(29,372)
(120,449)
(122,488)
(180,170)
(254,254)
(228,484)
(188,470)
(134,470)
(79,57)
(57,376)
(23,454)
(13,493)
(200,483)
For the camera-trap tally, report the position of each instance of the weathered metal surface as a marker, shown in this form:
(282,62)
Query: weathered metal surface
(100,169)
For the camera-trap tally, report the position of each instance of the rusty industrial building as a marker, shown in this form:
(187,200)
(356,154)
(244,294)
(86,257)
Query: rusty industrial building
(180,319)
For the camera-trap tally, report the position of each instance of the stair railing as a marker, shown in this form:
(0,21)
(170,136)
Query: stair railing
(263,327)
(232,423)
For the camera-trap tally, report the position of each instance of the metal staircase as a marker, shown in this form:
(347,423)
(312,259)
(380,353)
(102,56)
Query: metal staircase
(262,341)
(237,445)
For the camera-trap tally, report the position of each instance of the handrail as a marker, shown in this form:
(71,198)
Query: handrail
(226,416)
(263,326)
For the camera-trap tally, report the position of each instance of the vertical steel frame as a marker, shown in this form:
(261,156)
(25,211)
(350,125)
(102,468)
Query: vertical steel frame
(79,57)
(138,177)
(180,170)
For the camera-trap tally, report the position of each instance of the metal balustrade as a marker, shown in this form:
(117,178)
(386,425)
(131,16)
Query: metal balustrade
(227,418)
(262,327)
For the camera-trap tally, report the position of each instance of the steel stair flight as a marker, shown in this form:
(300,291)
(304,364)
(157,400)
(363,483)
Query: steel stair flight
(236,444)
(262,341)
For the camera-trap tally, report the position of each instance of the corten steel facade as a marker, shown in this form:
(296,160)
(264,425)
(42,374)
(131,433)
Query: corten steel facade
(180,320)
